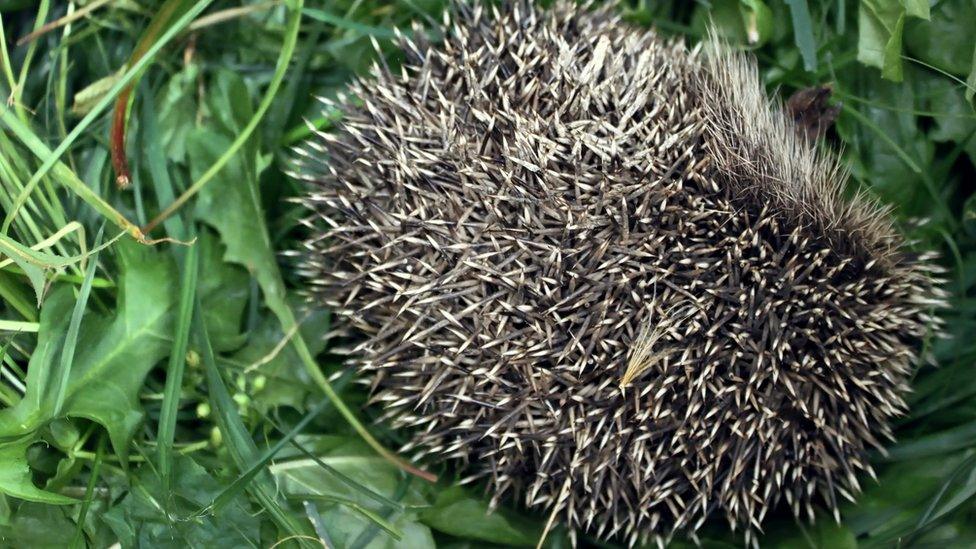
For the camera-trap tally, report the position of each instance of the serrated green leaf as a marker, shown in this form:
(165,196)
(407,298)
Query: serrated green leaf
(892,155)
(231,203)
(955,119)
(15,476)
(177,109)
(113,357)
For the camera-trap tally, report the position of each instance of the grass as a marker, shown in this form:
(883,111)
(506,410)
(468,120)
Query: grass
(162,382)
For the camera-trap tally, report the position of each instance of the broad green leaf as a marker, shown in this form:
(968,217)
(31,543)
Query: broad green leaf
(917,8)
(62,434)
(337,501)
(37,526)
(946,42)
(346,529)
(225,290)
(458,513)
(177,111)
(955,118)
(16,479)
(28,415)
(824,533)
(880,27)
(803,33)
(889,153)
(139,519)
(299,474)
(113,355)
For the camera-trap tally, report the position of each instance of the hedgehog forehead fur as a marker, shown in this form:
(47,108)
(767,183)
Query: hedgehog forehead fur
(605,272)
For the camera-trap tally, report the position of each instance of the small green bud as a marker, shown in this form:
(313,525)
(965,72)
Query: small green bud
(203,409)
(242,400)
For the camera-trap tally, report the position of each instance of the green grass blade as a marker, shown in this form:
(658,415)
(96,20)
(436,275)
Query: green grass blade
(803,33)
(18,326)
(5,58)
(51,160)
(248,475)
(278,116)
(71,339)
(348,24)
(345,479)
(238,441)
(955,438)
(930,510)
(12,294)
(79,540)
(370,532)
(156,164)
(64,175)
(177,361)
(289,438)
(42,8)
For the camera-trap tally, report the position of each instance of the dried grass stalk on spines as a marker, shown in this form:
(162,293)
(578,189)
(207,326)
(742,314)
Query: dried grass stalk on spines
(551,202)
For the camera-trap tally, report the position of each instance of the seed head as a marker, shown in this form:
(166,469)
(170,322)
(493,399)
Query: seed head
(602,271)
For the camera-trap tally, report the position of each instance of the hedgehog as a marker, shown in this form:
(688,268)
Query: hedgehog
(601,272)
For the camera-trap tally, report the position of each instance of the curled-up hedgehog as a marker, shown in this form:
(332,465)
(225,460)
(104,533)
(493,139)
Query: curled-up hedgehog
(602,272)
